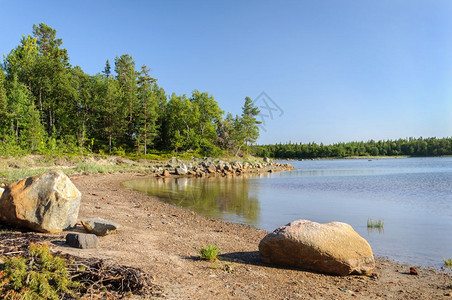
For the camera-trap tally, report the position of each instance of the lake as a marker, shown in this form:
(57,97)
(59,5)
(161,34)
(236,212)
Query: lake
(413,196)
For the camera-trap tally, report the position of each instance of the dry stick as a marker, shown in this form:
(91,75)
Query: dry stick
(11,253)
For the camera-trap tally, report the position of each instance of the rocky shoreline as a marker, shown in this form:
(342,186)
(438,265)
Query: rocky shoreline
(208,167)
(164,241)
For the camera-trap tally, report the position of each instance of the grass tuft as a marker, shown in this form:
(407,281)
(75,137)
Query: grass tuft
(209,252)
(448,262)
(375,223)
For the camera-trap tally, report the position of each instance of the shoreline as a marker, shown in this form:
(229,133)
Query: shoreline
(425,266)
(166,240)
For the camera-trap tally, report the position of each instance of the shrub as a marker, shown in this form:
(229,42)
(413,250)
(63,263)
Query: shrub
(209,252)
(39,276)
(448,262)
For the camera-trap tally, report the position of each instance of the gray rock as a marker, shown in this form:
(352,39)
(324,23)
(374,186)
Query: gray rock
(82,240)
(47,203)
(125,161)
(99,226)
(181,170)
(333,248)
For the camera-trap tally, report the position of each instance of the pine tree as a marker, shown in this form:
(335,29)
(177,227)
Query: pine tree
(249,122)
(126,77)
(3,104)
(147,115)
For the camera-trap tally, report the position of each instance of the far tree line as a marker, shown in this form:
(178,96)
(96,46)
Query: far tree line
(49,106)
(406,147)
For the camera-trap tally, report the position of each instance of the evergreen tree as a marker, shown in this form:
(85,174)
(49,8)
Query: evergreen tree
(126,77)
(249,122)
(113,115)
(3,104)
(147,116)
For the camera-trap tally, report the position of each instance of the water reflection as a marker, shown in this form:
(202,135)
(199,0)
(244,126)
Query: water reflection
(371,230)
(230,198)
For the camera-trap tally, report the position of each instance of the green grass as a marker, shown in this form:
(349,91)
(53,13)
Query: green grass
(209,252)
(448,262)
(375,223)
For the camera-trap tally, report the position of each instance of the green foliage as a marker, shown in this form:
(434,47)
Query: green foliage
(48,106)
(39,276)
(209,252)
(401,147)
(249,122)
(448,262)
(379,224)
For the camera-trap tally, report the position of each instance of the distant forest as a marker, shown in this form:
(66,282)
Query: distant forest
(409,147)
(48,106)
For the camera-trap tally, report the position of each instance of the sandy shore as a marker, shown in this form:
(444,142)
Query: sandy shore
(164,240)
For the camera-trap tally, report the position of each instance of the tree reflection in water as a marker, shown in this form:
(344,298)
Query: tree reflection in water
(230,198)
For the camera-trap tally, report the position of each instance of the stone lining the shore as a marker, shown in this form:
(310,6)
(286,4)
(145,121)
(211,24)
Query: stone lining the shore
(210,168)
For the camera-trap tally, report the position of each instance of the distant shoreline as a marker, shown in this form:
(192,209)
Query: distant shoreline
(357,157)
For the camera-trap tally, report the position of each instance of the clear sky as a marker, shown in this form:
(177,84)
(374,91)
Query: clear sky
(336,70)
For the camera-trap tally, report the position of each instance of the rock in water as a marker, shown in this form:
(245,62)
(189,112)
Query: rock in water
(333,248)
(99,226)
(82,240)
(47,203)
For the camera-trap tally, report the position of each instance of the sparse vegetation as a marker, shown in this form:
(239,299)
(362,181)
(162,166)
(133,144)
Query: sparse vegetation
(448,262)
(375,223)
(39,276)
(209,252)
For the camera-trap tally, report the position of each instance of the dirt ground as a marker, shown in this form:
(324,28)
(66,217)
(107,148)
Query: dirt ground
(164,241)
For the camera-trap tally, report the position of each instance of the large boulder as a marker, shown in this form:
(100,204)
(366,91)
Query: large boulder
(47,203)
(333,248)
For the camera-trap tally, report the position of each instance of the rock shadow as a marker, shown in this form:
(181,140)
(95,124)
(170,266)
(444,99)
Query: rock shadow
(245,257)
(254,258)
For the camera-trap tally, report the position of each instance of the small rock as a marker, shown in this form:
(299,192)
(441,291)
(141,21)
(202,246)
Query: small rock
(166,173)
(413,271)
(99,226)
(82,240)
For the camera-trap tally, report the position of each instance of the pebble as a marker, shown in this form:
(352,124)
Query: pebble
(413,271)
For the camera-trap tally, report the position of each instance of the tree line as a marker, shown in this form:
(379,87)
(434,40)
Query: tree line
(49,106)
(410,147)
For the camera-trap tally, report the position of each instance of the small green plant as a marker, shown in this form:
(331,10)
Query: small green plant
(209,252)
(375,223)
(39,276)
(448,262)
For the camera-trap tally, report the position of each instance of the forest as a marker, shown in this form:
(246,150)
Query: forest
(48,106)
(400,147)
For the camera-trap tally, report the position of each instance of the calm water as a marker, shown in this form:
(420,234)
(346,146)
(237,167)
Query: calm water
(413,197)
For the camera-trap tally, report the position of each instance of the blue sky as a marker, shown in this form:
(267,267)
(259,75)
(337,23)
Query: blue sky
(339,70)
